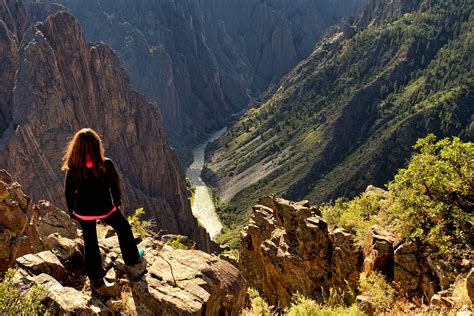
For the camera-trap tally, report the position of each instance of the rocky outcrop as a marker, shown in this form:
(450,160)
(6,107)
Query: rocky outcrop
(204,60)
(288,248)
(378,252)
(62,84)
(177,282)
(24,227)
(44,243)
(416,273)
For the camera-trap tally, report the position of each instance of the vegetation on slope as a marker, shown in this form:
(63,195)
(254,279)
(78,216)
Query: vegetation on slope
(430,201)
(348,115)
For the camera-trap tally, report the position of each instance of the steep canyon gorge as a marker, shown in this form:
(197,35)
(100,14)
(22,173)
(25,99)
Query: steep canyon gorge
(347,116)
(205,60)
(301,100)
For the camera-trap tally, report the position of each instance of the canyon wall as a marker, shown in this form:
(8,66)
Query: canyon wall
(55,83)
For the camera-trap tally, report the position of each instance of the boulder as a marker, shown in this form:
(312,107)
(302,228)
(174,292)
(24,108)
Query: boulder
(407,271)
(187,282)
(442,270)
(67,300)
(43,262)
(51,220)
(176,282)
(64,248)
(345,259)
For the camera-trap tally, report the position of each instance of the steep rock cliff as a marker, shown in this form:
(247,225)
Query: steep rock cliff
(204,60)
(62,84)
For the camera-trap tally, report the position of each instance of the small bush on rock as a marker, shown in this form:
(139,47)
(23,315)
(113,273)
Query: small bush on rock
(139,227)
(15,301)
(379,292)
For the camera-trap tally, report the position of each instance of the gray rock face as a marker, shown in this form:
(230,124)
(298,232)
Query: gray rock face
(203,60)
(62,84)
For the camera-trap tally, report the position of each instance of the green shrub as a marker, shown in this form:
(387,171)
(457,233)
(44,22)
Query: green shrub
(258,306)
(178,242)
(139,227)
(336,297)
(229,237)
(15,301)
(379,292)
(302,306)
(434,194)
(358,214)
(430,201)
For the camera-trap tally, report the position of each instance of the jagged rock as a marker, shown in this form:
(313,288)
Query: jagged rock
(18,235)
(176,282)
(378,252)
(43,262)
(62,84)
(407,270)
(345,259)
(195,284)
(64,248)
(68,300)
(470,285)
(428,286)
(438,300)
(375,190)
(111,276)
(442,271)
(51,220)
(229,258)
(287,248)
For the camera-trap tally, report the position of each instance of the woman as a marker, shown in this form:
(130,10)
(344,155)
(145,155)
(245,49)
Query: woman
(92,189)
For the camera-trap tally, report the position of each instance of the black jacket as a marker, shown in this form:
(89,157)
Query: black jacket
(93,196)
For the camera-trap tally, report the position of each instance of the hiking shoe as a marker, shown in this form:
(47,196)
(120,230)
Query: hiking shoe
(141,253)
(136,271)
(104,288)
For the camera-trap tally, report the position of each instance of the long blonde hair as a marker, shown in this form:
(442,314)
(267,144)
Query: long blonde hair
(85,145)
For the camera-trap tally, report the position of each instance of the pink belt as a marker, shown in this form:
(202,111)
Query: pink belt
(93,217)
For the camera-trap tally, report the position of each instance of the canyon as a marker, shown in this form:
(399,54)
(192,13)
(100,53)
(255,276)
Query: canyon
(348,115)
(205,60)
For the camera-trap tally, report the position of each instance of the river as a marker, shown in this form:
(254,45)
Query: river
(203,205)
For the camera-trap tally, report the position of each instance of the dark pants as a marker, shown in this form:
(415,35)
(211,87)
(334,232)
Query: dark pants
(92,258)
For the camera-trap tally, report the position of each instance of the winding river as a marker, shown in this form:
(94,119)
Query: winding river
(203,205)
